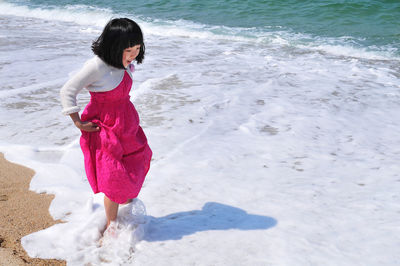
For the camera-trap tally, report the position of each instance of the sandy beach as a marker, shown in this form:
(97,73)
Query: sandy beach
(21,213)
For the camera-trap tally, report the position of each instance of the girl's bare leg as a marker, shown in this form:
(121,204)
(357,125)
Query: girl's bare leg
(111,210)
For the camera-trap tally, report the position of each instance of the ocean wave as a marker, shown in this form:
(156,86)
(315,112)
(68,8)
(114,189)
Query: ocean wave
(80,14)
(273,36)
(266,36)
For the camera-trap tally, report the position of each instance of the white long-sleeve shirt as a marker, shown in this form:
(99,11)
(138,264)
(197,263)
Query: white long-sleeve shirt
(95,76)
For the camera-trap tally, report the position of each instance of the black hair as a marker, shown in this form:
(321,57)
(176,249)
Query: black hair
(118,34)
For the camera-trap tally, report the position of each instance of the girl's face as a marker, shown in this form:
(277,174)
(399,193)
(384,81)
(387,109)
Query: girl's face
(130,54)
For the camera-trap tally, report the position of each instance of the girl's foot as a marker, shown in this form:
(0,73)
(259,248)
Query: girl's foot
(111,230)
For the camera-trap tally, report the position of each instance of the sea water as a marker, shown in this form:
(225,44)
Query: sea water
(274,127)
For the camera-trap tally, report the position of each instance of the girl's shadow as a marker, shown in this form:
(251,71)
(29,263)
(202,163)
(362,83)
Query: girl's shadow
(213,216)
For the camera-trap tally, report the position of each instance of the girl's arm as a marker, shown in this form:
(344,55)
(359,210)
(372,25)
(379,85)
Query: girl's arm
(85,126)
(86,76)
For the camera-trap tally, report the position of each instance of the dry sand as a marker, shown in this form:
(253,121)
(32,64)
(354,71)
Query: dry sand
(21,213)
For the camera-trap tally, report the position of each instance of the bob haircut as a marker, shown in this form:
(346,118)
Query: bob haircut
(118,34)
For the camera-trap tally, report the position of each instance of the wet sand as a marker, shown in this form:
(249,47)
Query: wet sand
(21,213)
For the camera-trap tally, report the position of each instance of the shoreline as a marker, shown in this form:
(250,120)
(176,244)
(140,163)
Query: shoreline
(22,212)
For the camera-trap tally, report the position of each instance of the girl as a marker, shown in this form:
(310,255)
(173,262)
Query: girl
(117,156)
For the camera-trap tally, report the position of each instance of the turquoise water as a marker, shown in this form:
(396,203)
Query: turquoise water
(368,24)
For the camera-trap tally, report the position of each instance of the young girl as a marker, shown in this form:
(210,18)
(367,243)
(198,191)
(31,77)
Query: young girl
(117,156)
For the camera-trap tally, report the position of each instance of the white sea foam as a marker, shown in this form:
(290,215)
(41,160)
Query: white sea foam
(264,154)
(30,88)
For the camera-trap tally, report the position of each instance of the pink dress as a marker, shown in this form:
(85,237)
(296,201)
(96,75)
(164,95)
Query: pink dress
(117,158)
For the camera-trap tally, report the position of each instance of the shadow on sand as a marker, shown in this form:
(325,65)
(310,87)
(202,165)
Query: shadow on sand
(213,216)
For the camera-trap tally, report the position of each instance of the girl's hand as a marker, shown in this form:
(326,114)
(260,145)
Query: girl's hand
(87,126)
